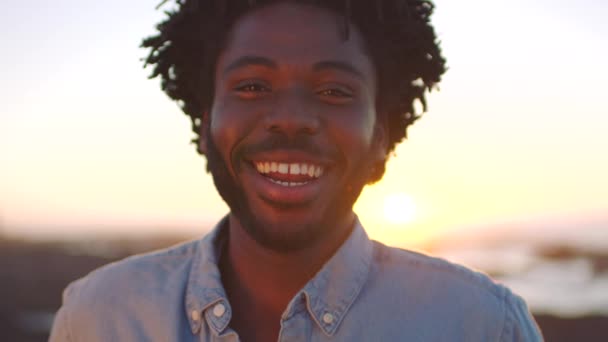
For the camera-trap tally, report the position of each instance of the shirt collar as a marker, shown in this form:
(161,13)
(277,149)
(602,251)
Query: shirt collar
(204,290)
(328,295)
(331,292)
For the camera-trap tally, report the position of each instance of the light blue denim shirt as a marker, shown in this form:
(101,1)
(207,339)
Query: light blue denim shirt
(365,292)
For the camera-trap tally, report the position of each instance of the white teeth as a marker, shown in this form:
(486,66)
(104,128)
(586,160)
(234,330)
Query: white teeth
(294,169)
(313,171)
(318,172)
(288,184)
(283,168)
(260,167)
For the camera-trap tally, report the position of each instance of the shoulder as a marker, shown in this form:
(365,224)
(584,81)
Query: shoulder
(146,287)
(444,291)
(419,269)
(137,273)
(416,268)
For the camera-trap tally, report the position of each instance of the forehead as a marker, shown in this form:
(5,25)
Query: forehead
(295,33)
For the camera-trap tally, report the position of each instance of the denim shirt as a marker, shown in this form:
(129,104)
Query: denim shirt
(365,292)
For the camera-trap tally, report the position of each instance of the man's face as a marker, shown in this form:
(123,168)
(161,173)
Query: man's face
(291,137)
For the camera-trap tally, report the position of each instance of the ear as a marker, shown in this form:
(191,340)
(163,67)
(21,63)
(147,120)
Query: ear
(378,152)
(202,133)
(380,143)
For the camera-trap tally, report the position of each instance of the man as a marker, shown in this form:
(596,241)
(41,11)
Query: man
(297,105)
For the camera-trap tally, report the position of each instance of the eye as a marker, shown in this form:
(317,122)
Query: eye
(251,87)
(335,93)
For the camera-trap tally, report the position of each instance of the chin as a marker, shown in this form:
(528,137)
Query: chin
(287,233)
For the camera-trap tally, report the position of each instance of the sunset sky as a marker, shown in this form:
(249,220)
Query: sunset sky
(518,130)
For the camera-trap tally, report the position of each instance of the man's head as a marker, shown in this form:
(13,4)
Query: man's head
(296,103)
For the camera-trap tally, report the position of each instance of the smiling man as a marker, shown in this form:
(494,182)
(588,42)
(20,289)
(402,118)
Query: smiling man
(296,105)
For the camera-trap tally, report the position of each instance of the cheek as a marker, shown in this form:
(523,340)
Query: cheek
(229,123)
(225,130)
(355,130)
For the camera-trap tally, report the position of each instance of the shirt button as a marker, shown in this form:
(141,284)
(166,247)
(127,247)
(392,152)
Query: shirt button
(328,318)
(195,315)
(219,309)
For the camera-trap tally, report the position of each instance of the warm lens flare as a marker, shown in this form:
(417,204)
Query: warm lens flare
(399,208)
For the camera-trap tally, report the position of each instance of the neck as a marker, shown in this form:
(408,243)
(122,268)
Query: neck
(256,275)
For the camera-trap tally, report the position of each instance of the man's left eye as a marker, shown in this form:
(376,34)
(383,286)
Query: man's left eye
(334,92)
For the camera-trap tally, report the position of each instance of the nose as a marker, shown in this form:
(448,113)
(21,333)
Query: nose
(292,114)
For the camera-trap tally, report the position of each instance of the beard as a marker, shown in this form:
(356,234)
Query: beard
(299,235)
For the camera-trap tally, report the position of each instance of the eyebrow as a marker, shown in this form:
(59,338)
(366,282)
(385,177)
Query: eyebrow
(245,61)
(338,65)
(250,61)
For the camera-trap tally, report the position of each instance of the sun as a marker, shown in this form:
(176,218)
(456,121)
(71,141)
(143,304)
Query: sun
(399,208)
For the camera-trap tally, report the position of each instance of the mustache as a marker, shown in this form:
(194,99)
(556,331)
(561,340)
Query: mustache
(300,143)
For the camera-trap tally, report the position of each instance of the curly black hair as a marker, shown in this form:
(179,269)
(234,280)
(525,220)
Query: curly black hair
(398,34)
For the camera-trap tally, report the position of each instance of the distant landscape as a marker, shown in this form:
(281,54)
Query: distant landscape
(33,275)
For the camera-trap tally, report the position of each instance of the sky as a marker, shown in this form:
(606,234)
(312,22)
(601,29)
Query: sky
(517,130)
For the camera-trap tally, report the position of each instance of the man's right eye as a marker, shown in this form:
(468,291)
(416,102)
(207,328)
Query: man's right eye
(251,87)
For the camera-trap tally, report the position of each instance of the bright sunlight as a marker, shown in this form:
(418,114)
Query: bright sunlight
(399,208)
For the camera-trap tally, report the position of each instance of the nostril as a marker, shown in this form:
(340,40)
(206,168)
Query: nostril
(292,123)
(309,130)
(274,128)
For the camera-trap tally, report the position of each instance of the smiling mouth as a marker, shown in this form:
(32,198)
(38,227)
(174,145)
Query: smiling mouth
(289,174)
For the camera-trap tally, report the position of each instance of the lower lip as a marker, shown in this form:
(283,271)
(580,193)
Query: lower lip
(281,194)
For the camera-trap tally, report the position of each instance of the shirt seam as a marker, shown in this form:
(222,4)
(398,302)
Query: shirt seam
(505,322)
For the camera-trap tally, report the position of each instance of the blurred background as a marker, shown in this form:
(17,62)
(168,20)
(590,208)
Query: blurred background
(506,173)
